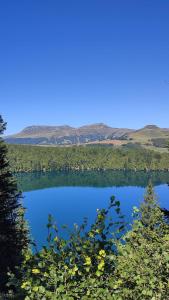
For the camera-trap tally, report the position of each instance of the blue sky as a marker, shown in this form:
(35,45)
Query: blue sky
(79,62)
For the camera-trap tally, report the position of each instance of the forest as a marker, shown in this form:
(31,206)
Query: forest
(24,158)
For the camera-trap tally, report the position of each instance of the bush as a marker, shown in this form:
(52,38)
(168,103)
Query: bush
(103,262)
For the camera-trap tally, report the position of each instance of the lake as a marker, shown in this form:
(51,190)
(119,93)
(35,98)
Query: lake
(71,196)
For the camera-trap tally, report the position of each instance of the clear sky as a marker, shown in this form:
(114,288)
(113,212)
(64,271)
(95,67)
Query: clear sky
(79,62)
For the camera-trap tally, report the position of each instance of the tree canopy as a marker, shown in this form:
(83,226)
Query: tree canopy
(13,231)
(24,158)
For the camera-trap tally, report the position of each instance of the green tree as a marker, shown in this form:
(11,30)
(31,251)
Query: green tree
(149,209)
(13,231)
(142,270)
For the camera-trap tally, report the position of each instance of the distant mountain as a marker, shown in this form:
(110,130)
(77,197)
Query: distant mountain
(150,134)
(66,135)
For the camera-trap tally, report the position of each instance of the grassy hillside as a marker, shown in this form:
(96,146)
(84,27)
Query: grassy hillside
(148,133)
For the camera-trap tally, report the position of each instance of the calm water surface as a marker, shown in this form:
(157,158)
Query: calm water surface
(71,196)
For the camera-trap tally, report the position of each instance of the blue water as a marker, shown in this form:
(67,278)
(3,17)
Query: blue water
(70,204)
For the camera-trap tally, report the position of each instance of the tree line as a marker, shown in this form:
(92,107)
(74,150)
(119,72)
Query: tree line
(26,158)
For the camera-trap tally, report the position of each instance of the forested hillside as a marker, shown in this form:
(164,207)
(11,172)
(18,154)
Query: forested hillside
(24,158)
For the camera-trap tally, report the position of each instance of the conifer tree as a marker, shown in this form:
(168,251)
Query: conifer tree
(13,232)
(148,205)
(152,215)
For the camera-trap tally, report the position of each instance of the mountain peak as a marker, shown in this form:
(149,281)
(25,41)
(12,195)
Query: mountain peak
(95,125)
(151,126)
(66,135)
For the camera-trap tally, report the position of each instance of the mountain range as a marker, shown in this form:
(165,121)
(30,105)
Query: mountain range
(95,133)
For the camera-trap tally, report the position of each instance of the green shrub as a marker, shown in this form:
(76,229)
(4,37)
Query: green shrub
(143,260)
(102,262)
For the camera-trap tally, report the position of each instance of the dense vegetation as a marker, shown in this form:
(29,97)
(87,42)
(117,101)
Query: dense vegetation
(35,158)
(103,262)
(13,232)
(160,142)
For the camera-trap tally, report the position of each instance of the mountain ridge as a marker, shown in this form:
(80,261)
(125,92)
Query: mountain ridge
(97,132)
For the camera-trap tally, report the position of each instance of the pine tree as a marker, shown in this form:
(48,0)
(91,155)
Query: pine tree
(151,214)
(13,232)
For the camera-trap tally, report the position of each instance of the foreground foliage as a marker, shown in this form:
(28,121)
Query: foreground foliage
(103,261)
(13,232)
(24,158)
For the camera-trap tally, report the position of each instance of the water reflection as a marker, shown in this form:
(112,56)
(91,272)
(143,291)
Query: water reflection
(39,180)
